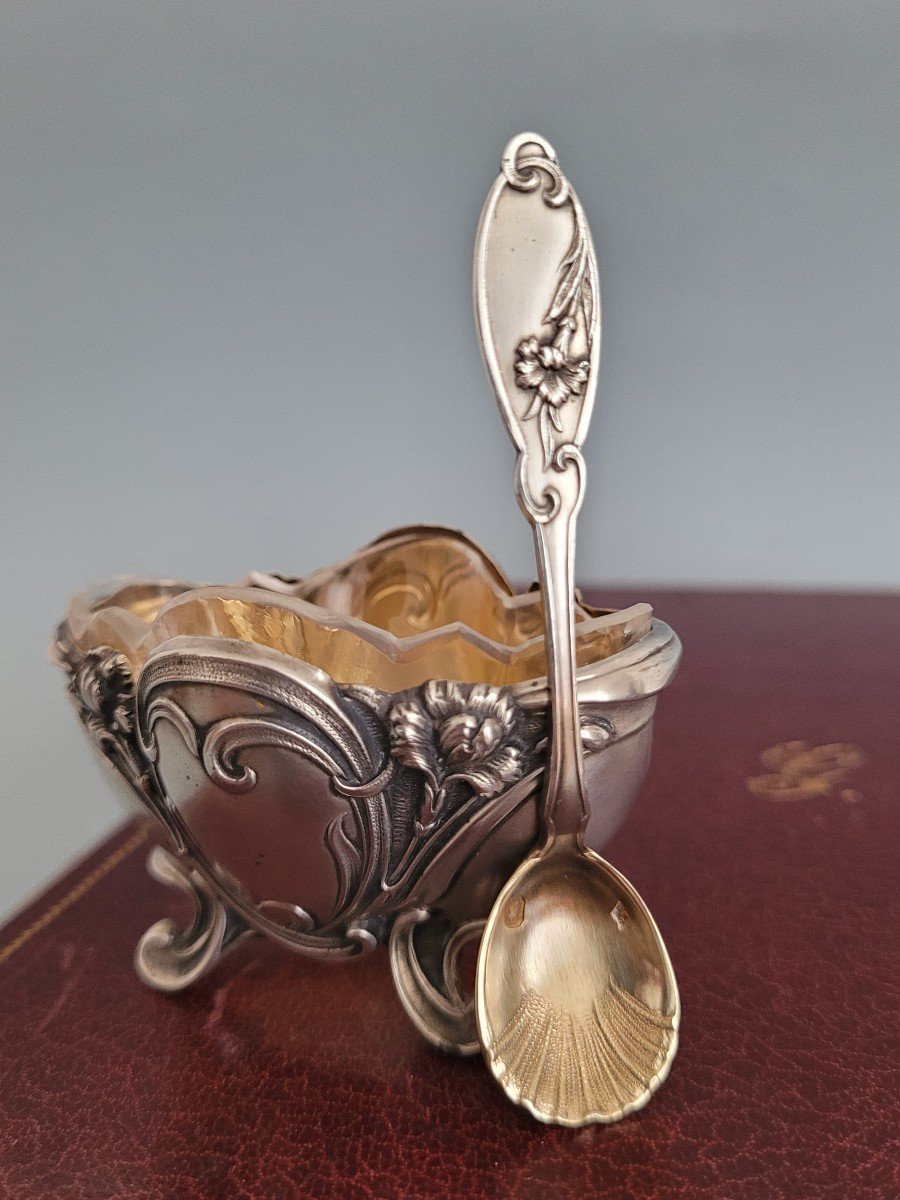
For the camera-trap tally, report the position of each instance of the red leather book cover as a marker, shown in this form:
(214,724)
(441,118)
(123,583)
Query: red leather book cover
(765,842)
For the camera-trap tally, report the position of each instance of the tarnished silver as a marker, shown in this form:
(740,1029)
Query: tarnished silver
(355,757)
(576,1001)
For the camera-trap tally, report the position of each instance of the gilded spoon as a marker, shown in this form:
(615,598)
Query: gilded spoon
(576,1002)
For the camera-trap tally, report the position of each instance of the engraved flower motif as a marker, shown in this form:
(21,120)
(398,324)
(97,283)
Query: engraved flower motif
(104,686)
(548,370)
(454,733)
(101,684)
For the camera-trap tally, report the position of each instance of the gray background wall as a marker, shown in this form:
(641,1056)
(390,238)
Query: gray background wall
(235,313)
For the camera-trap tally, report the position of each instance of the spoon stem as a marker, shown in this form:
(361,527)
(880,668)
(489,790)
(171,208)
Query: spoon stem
(565,808)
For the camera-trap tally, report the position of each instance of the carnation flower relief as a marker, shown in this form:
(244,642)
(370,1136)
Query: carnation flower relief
(457,734)
(547,369)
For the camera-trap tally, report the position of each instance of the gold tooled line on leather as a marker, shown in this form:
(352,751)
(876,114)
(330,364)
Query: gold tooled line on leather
(71,897)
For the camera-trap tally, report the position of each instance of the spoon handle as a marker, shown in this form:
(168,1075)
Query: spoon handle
(537,301)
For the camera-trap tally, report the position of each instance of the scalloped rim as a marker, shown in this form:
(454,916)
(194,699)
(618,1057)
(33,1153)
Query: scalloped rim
(100,601)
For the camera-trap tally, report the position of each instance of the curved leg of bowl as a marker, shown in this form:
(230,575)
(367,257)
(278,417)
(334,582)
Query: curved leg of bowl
(169,959)
(425,967)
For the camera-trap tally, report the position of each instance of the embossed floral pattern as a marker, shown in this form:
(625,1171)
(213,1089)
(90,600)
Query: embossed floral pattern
(455,733)
(556,378)
(547,369)
(103,684)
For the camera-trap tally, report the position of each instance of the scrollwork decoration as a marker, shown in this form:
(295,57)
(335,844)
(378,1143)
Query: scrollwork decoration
(441,1010)
(305,717)
(169,959)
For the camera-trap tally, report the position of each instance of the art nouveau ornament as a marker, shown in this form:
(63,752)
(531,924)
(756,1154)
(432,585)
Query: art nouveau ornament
(358,757)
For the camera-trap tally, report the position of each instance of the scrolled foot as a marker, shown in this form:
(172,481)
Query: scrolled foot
(169,959)
(442,1012)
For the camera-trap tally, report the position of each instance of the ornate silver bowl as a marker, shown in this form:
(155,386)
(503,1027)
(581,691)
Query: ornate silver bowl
(355,757)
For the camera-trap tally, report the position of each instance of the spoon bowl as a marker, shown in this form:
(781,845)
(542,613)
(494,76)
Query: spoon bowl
(577,1001)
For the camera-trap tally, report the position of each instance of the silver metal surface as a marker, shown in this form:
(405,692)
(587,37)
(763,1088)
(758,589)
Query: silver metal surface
(535,274)
(576,1002)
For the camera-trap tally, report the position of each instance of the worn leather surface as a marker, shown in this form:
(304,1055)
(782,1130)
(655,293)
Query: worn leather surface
(278,1077)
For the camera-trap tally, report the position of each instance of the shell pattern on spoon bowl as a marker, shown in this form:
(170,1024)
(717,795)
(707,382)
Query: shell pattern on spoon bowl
(576,1001)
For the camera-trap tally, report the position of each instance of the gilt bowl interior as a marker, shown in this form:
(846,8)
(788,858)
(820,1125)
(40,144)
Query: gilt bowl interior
(421,603)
